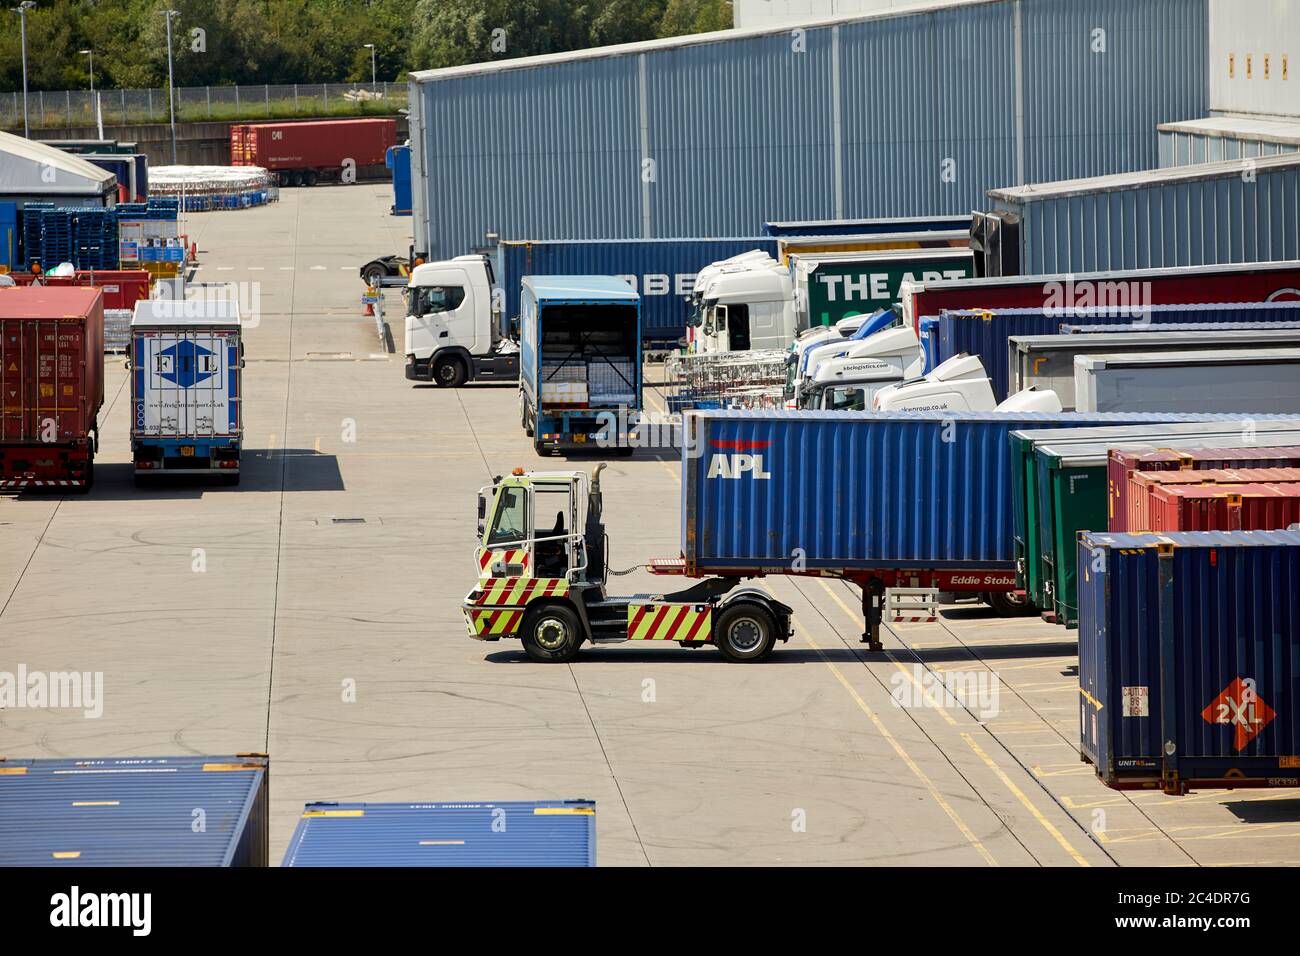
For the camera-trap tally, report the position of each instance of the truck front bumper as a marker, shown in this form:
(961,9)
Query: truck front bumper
(417,369)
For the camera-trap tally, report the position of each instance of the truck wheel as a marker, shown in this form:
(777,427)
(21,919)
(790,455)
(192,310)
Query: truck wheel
(449,372)
(284,178)
(373,274)
(1008,603)
(297,177)
(523,420)
(552,634)
(311,177)
(745,633)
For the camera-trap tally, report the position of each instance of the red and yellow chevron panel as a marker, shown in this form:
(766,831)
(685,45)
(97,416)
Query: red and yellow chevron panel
(495,623)
(517,592)
(507,556)
(669,622)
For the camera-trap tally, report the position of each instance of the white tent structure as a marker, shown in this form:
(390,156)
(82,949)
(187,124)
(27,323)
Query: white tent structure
(34,172)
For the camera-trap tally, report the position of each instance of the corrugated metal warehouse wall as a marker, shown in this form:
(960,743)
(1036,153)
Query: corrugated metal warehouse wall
(1242,211)
(893,115)
(1221,138)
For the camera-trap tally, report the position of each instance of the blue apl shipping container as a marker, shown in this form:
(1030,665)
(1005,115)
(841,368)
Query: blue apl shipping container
(134,811)
(857,490)
(662,270)
(516,833)
(1189,658)
(985,333)
(867,227)
(398,159)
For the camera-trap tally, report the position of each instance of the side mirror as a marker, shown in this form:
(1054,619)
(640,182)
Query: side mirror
(482,513)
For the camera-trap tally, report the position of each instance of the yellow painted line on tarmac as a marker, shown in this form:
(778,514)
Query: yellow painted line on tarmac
(943,711)
(1026,802)
(1001,774)
(898,748)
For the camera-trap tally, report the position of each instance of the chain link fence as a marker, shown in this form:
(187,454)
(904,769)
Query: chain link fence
(48,109)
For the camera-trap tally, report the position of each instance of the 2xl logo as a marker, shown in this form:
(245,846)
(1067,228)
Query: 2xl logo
(738,460)
(186,364)
(1240,707)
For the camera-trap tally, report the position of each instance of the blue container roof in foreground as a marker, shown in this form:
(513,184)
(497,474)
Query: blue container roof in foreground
(133,811)
(513,833)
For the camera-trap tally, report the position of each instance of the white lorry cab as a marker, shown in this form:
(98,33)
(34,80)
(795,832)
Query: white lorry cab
(851,380)
(454,330)
(960,384)
(746,308)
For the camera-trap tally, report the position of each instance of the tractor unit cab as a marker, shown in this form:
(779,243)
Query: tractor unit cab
(542,572)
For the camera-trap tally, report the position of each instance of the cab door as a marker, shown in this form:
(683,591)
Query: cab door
(506,548)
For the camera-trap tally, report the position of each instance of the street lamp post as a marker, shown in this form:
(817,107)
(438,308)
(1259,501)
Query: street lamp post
(91,54)
(171,85)
(374,76)
(21,10)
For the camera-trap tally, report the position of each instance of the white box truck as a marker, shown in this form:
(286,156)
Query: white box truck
(186,363)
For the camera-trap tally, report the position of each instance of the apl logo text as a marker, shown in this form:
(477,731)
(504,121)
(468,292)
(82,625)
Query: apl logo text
(738,459)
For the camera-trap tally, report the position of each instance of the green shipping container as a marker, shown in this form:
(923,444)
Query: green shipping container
(1032,495)
(831,287)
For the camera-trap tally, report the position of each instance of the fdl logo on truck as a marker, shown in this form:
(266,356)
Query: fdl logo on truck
(738,460)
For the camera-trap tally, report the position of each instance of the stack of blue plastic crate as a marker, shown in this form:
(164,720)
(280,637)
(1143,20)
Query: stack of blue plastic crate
(95,238)
(34,232)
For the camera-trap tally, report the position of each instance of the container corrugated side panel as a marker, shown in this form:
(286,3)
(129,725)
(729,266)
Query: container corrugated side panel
(986,334)
(1131,502)
(664,311)
(1237,616)
(520,833)
(1119,615)
(824,487)
(1185,148)
(134,811)
(1115,88)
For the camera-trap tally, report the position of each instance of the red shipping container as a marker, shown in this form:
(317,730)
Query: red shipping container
(51,385)
(1137,499)
(1254,282)
(316,144)
(122,288)
(1257,507)
(1120,464)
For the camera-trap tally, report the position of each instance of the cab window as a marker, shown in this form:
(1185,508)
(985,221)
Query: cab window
(510,524)
(439,298)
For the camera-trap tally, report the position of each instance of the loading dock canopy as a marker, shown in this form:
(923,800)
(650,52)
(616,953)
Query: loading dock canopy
(28,168)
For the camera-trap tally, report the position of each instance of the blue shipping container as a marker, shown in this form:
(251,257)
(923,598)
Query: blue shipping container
(134,811)
(857,490)
(867,227)
(9,238)
(398,159)
(515,833)
(1189,658)
(662,270)
(985,333)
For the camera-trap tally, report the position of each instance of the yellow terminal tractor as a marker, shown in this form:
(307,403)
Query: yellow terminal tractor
(542,580)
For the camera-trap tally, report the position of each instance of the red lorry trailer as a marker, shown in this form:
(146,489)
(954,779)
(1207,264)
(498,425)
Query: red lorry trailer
(305,153)
(1125,292)
(51,386)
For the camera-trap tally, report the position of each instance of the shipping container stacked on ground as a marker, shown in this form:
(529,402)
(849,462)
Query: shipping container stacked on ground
(134,811)
(467,834)
(1188,651)
(1223,507)
(1135,504)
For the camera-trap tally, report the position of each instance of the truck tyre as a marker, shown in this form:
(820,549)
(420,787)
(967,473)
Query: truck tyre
(284,177)
(449,372)
(311,177)
(552,634)
(1007,603)
(231,479)
(523,419)
(297,177)
(373,274)
(90,477)
(745,633)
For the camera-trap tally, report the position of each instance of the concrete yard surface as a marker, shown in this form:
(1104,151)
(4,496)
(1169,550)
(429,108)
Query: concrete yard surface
(313,613)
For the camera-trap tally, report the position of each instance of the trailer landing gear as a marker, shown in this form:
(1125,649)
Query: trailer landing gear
(873,609)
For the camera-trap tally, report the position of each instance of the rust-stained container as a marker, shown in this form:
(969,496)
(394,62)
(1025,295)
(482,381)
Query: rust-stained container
(51,385)
(1120,464)
(123,288)
(1135,499)
(1255,507)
